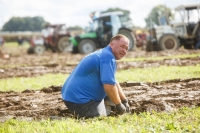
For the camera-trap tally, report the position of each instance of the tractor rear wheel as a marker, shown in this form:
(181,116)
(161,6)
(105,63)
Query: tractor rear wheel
(130,37)
(87,46)
(169,42)
(39,49)
(64,45)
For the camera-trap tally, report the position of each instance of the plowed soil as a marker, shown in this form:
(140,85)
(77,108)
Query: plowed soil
(30,104)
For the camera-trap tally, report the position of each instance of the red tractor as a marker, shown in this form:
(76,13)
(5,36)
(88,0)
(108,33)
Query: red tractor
(54,37)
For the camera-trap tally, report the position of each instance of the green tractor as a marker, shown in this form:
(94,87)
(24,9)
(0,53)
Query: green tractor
(101,31)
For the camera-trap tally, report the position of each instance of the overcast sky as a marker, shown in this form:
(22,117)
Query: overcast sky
(76,12)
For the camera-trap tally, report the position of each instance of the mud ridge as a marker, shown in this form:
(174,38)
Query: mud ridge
(41,104)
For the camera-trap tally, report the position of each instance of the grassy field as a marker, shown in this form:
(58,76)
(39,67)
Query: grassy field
(135,75)
(14,45)
(161,58)
(180,121)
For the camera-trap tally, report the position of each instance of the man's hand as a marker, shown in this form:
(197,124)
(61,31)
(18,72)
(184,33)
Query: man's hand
(125,103)
(120,108)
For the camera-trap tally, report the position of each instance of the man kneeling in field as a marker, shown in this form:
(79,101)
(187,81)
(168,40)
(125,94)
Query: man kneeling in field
(93,79)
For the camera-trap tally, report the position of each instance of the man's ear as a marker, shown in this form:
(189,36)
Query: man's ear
(111,44)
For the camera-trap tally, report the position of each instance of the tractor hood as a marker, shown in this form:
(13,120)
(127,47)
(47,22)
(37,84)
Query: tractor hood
(75,40)
(88,35)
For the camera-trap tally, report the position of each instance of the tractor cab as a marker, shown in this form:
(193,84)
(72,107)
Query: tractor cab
(101,31)
(107,25)
(186,24)
(186,20)
(183,30)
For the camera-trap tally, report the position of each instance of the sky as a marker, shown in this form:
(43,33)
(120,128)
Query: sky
(76,12)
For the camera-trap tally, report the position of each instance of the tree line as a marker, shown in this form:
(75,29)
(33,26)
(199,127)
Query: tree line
(37,23)
(24,24)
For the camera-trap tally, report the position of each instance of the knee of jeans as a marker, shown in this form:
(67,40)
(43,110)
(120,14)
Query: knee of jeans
(108,110)
(108,102)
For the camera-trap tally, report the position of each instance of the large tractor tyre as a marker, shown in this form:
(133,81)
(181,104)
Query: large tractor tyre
(169,42)
(87,46)
(64,45)
(130,37)
(39,49)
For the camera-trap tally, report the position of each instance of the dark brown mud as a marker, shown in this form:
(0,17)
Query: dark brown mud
(35,65)
(163,96)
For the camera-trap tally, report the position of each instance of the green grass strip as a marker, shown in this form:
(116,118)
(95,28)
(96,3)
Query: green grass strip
(182,120)
(15,45)
(134,74)
(182,56)
(33,83)
(152,74)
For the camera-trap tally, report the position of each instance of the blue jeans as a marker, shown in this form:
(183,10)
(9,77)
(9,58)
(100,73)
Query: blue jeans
(87,110)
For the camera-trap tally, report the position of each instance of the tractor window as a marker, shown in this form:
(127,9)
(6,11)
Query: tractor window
(124,18)
(105,24)
(177,17)
(106,21)
(126,21)
(63,30)
(45,33)
(116,23)
(163,20)
(193,16)
(95,25)
(182,13)
(50,30)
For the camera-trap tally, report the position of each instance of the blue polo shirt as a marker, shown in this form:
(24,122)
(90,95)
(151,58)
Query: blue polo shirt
(86,81)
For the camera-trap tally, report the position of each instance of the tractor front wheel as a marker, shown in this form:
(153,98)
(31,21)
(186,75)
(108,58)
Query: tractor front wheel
(169,42)
(39,49)
(87,46)
(30,50)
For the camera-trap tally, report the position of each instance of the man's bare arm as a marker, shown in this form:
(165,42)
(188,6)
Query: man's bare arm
(123,98)
(112,92)
(120,92)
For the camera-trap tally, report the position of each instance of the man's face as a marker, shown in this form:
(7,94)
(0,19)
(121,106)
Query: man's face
(119,47)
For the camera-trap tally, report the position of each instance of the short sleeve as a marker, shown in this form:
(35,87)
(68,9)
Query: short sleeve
(107,72)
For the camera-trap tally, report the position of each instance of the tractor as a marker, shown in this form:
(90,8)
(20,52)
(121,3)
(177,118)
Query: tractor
(54,37)
(101,31)
(184,30)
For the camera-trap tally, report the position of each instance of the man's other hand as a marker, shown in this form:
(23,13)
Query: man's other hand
(120,108)
(125,103)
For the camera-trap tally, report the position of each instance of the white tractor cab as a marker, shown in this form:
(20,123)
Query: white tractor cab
(183,30)
(101,31)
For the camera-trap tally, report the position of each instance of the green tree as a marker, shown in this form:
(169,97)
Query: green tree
(157,11)
(75,28)
(24,24)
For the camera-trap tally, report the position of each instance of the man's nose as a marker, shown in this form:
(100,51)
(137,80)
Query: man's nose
(124,51)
